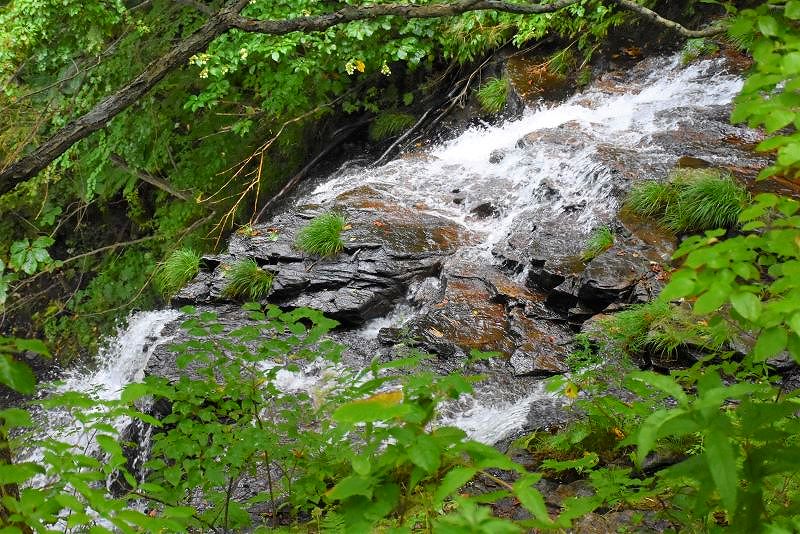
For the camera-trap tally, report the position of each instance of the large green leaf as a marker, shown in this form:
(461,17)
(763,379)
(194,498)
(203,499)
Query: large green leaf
(16,375)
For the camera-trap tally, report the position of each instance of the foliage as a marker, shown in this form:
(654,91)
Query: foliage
(246,279)
(768,97)
(693,200)
(493,95)
(322,236)
(731,426)
(695,49)
(177,270)
(662,328)
(601,240)
(389,124)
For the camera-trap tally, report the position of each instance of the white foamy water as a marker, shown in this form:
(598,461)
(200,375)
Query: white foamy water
(120,362)
(514,184)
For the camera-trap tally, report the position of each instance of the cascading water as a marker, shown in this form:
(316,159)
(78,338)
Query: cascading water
(485,163)
(539,179)
(120,362)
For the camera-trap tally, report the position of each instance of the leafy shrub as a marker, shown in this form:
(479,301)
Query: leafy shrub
(493,95)
(245,279)
(177,270)
(693,200)
(601,240)
(322,236)
(389,124)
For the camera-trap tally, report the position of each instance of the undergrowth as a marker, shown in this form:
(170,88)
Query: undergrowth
(245,279)
(692,200)
(493,95)
(322,236)
(176,271)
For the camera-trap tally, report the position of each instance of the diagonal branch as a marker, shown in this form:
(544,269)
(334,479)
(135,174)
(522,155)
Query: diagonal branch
(652,16)
(229,18)
(145,176)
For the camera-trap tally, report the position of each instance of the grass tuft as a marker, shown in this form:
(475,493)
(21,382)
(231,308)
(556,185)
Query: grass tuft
(246,279)
(176,271)
(662,328)
(390,124)
(322,236)
(493,95)
(601,240)
(693,200)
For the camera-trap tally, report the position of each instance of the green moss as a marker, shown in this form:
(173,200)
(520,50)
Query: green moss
(176,271)
(601,240)
(389,124)
(493,95)
(693,200)
(322,236)
(246,279)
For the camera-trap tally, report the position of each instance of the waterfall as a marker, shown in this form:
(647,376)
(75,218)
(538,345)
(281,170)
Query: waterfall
(553,162)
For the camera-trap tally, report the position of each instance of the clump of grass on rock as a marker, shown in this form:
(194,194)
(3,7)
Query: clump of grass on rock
(493,95)
(246,279)
(693,200)
(601,240)
(322,236)
(176,271)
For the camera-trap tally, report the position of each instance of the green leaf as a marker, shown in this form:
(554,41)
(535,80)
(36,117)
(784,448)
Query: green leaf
(16,375)
(16,417)
(425,453)
(134,392)
(794,323)
(770,342)
(721,461)
(748,305)
(361,464)
(29,264)
(454,480)
(350,486)
(33,345)
(19,473)
(768,25)
(711,300)
(792,10)
(531,498)
(778,118)
(681,285)
(649,431)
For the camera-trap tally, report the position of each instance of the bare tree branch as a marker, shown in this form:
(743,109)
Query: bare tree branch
(652,16)
(229,18)
(145,176)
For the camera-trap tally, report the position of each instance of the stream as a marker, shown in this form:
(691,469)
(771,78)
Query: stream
(469,243)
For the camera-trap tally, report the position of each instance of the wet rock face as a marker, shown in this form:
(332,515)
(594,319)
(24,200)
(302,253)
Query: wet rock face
(477,307)
(386,248)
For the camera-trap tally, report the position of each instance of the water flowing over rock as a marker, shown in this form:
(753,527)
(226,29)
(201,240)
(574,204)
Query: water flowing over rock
(476,243)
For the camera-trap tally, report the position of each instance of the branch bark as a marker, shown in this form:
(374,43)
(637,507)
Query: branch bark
(144,176)
(229,18)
